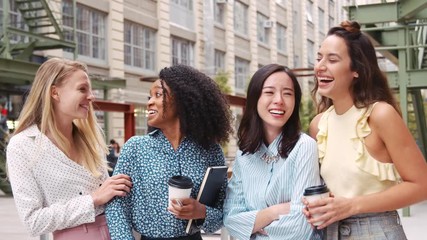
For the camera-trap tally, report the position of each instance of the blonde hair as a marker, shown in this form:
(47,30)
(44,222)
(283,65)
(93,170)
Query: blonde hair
(38,109)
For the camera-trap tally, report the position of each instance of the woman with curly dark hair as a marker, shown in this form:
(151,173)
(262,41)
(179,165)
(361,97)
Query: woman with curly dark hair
(274,164)
(190,117)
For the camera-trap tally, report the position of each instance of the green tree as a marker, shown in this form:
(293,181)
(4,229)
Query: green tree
(221,78)
(307,113)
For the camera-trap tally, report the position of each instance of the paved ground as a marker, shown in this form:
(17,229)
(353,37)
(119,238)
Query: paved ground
(12,229)
(416,224)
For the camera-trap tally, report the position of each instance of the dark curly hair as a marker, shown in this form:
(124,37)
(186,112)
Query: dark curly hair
(251,132)
(203,111)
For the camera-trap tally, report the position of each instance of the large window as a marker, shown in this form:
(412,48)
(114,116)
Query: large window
(310,53)
(67,20)
(182,13)
(281,38)
(219,12)
(16,21)
(321,21)
(139,46)
(182,52)
(91,33)
(331,12)
(241,71)
(219,61)
(282,2)
(263,27)
(331,8)
(309,11)
(240,18)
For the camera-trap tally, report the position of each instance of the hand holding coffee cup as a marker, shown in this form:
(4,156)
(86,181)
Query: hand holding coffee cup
(179,188)
(315,193)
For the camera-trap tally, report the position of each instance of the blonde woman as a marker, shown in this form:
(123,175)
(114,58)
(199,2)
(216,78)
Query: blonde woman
(56,158)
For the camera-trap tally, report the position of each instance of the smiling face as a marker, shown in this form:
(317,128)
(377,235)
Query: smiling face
(158,116)
(333,73)
(276,102)
(72,98)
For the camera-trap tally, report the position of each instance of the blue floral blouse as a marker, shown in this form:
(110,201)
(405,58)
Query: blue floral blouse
(150,161)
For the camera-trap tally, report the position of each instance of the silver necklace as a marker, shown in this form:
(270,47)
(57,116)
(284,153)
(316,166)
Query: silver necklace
(270,159)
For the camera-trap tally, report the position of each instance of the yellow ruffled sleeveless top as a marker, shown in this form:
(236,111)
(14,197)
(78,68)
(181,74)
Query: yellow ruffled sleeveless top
(346,166)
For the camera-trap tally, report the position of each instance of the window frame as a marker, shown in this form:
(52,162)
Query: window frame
(180,46)
(141,39)
(241,18)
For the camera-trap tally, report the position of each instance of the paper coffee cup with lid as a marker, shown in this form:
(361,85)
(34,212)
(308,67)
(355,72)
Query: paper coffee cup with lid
(179,188)
(314,193)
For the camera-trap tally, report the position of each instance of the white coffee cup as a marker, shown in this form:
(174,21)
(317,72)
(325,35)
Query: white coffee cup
(179,188)
(314,193)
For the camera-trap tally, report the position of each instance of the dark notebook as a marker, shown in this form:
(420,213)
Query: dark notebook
(210,187)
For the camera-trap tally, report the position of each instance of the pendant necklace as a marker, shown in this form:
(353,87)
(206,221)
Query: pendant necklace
(270,158)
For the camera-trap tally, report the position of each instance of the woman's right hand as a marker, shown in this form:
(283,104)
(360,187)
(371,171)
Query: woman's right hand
(117,185)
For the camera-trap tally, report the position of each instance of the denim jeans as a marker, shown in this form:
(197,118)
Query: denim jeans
(371,226)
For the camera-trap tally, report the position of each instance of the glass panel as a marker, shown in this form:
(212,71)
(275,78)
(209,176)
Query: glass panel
(241,74)
(262,32)
(137,53)
(128,55)
(218,12)
(219,61)
(182,13)
(83,20)
(83,43)
(127,33)
(95,47)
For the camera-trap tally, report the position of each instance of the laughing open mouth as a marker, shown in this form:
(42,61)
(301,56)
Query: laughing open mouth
(276,112)
(325,80)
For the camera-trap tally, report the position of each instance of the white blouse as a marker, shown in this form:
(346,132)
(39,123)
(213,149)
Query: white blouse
(51,191)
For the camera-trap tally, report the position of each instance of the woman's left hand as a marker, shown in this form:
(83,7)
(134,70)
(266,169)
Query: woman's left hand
(187,208)
(331,209)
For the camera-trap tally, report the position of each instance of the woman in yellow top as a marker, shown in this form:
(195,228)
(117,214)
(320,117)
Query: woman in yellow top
(369,160)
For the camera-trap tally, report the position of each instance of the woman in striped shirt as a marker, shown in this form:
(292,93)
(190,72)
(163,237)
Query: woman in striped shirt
(274,164)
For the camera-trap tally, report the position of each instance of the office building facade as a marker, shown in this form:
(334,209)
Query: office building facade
(131,40)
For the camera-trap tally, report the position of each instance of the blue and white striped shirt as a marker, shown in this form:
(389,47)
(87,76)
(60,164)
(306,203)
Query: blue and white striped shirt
(255,185)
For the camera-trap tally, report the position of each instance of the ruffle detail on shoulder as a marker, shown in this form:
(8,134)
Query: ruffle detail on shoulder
(383,171)
(322,134)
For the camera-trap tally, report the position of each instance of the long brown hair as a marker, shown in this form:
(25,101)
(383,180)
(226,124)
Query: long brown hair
(371,85)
